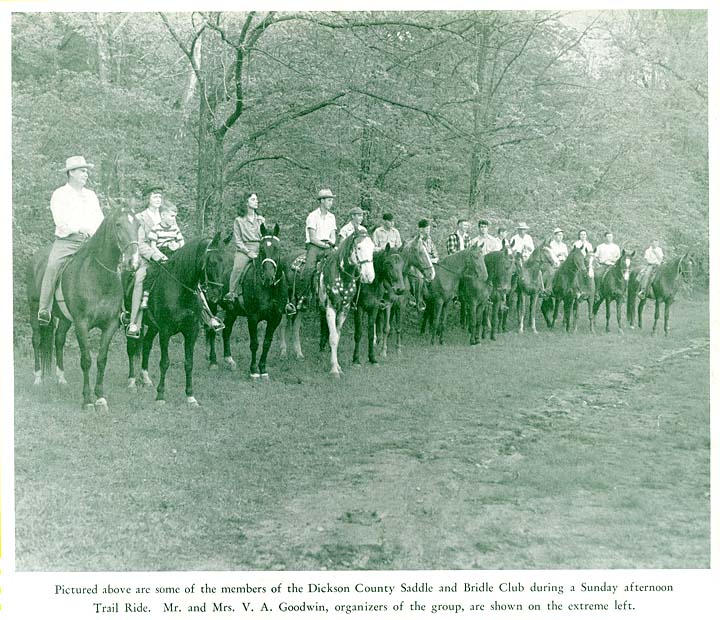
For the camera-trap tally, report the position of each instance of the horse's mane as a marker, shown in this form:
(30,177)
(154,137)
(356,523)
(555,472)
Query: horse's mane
(186,263)
(99,239)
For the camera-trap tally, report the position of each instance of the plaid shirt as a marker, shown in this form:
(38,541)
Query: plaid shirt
(454,242)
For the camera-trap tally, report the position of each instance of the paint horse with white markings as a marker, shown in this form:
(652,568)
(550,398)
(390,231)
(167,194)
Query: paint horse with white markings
(350,265)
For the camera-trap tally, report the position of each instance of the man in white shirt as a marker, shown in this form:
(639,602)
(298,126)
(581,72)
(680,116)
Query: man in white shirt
(77,215)
(355,223)
(558,249)
(386,233)
(320,228)
(522,242)
(608,253)
(489,243)
(653,257)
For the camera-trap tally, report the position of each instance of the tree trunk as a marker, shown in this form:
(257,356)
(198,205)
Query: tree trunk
(480,158)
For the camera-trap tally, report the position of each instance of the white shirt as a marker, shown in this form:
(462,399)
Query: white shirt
(524,245)
(607,253)
(654,256)
(349,229)
(323,225)
(75,211)
(490,243)
(559,250)
(382,236)
(583,245)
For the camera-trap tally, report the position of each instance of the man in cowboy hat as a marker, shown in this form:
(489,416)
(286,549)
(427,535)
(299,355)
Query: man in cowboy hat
(522,242)
(77,215)
(355,223)
(558,249)
(320,230)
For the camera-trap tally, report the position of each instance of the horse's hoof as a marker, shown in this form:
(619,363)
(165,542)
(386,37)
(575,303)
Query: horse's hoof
(230,363)
(214,366)
(265,376)
(62,381)
(132,385)
(374,362)
(254,376)
(160,402)
(334,374)
(101,406)
(356,362)
(37,380)
(146,380)
(89,407)
(191,402)
(283,355)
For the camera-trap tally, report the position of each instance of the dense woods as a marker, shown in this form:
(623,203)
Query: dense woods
(572,119)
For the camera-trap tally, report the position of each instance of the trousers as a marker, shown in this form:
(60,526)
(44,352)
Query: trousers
(61,252)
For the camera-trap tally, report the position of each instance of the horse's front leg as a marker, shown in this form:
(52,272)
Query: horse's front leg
(81,331)
(357,334)
(147,344)
(666,317)
(210,344)
(618,314)
(60,337)
(385,333)
(164,365)
(372,320)
(283,336)
(297,324)
(253,333)
(230,318)
(189,339)
(520,305)
(271,325)
(333,338)
(105,338)
(533,311)
(640,309)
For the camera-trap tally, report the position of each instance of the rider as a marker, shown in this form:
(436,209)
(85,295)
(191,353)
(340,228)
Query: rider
(77,215)
(489,243)
(606,254)
(458,240)
(426,239)
(582,242)
(246,234)
(522,242)
(355,223)
(149,219)
(387,233)
(558,249)
(653,257)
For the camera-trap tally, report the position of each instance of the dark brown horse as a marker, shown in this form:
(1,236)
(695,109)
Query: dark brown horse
(174,308)
(474,293)
(500,269)
(611,286)
(449,272)
(569,285)
(93,295)
(264,296)
(376,296)
(533,281)
(661,290)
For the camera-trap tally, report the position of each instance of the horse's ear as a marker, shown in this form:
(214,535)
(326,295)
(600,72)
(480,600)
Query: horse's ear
(388,249)
(632,253)
(227,238)
(216,239)
(263,230)
(276,230)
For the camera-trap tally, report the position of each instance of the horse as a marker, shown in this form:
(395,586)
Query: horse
(662,289)
(500,269)
(174,307)
(611,285)
(417,262)
(388,285)
(92,292)
(264,294)
(474,292)
(449,272)
(569,285)
(346,267)
(533,281)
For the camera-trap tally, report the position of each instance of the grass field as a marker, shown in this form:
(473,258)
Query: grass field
(547,451)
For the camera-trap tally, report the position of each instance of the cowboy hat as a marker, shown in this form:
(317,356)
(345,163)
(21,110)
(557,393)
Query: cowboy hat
(557,230)
(522,226)
(325,193)
(75,162)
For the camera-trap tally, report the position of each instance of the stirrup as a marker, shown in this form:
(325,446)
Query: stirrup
(125,318)
(290,309)
(135,335)
(421,306)
(44,317)
(220,326)
(229,296)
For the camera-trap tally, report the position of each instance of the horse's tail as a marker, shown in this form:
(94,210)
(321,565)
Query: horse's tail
(47,338)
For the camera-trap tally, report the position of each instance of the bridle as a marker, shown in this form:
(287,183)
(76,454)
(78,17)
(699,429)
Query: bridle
(354,258)
(122,249)
(272,261)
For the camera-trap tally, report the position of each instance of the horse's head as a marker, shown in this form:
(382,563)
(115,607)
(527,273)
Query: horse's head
(686,266)
(474,265)
(269,253)
(392,265)
(361,256)
(125,228)
(417,256)
(625,262)
(214,269)
(503,267)
(576,260)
